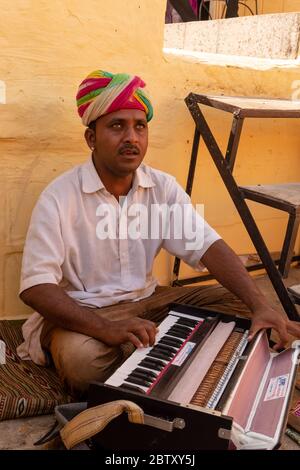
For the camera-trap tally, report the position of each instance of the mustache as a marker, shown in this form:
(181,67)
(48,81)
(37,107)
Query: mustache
(131,148)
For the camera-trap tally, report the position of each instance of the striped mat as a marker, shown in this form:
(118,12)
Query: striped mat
(26,389)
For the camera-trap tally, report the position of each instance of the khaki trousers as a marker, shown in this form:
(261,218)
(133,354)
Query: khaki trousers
(79,359)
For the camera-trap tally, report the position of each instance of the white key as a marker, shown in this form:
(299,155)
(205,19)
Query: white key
(139,354)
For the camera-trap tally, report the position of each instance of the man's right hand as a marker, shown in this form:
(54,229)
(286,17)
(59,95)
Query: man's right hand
(57,307)
(141,333)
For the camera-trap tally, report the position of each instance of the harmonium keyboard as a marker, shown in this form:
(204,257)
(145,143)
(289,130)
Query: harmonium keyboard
(202,385)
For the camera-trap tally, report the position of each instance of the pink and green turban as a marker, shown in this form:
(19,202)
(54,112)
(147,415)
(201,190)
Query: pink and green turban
(103,92)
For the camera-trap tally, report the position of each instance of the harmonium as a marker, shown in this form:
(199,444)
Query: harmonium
(202,385)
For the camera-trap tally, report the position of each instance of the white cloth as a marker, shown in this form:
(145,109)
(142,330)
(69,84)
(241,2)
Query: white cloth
(63,245)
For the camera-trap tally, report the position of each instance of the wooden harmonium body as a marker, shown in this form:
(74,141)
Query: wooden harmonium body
(201,386)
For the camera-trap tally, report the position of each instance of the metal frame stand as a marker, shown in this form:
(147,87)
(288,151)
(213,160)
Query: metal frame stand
(225,165)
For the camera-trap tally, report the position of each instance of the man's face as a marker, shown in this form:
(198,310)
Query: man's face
(120,141)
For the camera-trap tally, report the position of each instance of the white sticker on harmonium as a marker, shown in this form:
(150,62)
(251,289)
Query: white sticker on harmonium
(183,354)
(277,387)
(2,353)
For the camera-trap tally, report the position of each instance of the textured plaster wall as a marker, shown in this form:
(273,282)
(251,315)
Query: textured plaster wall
(266,36)
(46,49)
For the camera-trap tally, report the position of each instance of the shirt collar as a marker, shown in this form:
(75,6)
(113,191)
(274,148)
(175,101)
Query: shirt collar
(141,178)
(91,181)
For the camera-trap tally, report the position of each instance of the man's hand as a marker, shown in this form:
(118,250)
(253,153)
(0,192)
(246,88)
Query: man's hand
(227,268)
(139,332)
(56,306)
(267,317)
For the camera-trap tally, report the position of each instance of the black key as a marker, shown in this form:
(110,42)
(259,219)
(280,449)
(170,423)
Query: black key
(135,380)
(169,349)
(162,351)
(155,361)
(164,355)
(168,344)
(187,322)
(175,330)
(148,372)
(147,381)
(141,375)
(132,388)
(151,365)
(158,355)
(186,329)
(182,328)
(177,334)
(172,341)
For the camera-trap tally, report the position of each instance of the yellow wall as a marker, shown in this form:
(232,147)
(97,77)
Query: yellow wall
(264,7)
(271,6)
(47,48)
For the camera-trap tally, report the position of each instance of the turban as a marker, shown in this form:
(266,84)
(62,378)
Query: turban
(103,92)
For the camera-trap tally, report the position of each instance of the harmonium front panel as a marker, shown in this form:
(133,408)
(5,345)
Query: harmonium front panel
(203,371)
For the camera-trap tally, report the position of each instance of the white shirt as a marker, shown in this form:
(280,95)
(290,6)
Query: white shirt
(66,242)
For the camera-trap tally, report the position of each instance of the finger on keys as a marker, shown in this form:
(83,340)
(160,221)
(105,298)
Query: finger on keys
(151,330)
(135,340)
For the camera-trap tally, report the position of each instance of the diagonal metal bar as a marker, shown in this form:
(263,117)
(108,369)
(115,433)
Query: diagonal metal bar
(241,206)
(234,140)
(192,167)
(288,244)
(189,186)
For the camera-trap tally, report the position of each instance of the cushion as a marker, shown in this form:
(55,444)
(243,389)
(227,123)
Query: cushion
(26,389)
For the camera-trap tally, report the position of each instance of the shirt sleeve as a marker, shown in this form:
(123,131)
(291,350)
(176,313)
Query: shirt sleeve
(189,236)
(44,249)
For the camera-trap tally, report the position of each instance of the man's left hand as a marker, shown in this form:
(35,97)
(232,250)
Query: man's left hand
(268,317)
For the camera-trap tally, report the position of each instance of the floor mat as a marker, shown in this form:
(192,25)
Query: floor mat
(26,389)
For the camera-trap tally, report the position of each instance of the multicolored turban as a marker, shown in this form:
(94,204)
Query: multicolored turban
(103,92)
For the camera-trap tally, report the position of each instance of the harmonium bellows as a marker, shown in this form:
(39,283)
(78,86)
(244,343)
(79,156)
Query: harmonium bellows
(203,373)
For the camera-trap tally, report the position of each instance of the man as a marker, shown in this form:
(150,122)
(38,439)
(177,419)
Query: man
(88,277)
